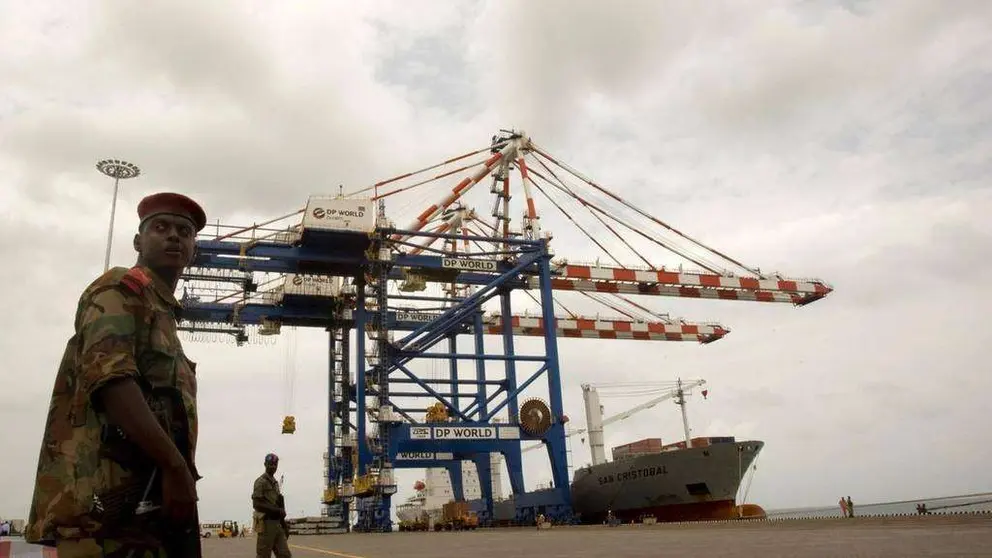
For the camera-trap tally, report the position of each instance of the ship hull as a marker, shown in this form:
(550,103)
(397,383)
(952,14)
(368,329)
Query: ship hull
(693,484)
(409,513)
(411,510)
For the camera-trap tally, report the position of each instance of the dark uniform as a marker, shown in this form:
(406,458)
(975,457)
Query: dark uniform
(125,327)
(270,530)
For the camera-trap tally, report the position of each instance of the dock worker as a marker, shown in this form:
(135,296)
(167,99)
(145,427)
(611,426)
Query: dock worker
(122,420)
(270,513)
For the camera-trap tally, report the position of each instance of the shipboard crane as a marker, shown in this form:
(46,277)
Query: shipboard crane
(594,412)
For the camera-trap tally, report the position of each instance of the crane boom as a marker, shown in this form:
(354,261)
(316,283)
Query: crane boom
(651,403)
(613,328)
(684,284)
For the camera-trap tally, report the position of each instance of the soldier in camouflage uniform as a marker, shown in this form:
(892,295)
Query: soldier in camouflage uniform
(270,513)
(125,383)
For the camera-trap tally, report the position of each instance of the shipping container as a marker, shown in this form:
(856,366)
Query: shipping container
(647,443)
(700,442)
(640,447)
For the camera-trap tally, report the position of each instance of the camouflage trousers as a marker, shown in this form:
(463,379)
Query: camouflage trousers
(271,538)
(107,548)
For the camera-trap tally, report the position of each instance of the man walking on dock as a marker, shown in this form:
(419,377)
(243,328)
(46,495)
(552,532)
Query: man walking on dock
(270,513)
(122,421)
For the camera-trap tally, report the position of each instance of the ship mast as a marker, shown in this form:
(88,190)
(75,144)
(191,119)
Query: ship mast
(680,401)
(594,422)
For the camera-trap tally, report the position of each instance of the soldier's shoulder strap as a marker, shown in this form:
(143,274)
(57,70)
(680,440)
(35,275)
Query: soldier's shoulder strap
(135,280)
(131,281)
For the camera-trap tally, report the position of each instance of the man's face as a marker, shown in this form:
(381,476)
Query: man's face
(271,468)
(166,242)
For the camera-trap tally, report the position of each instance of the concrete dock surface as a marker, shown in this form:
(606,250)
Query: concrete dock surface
(952,535)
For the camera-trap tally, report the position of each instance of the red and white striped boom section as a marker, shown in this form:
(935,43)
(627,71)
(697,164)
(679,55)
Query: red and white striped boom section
(597,328)
(605,279)
(508,152)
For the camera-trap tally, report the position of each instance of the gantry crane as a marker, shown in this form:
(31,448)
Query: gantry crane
(340,263)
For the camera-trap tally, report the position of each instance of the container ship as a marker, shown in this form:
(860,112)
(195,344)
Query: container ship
(675,482)
(413,509)
(694,479)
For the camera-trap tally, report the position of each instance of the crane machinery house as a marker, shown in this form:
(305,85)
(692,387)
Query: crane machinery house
(339,214)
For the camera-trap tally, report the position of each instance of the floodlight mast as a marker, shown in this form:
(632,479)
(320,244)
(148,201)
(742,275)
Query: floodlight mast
(118,170)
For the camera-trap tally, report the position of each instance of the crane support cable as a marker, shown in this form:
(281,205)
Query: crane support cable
(555,300)
(698,260)
(257,225)
(636,393)
(632,313)
(422,182)
(598,218)
(665,384)
(426,245)
(645,309)
(374,186)
(645,314)
(634,229)
(493,227)
(290,371)
(478,232)
(242,292)
(607,304)
(563,307)
(578,175)
(574,222)
(475,231)
(408,205)
(409,174)
(590,206)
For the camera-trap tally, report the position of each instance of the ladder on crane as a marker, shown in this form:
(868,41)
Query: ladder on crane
(595,421)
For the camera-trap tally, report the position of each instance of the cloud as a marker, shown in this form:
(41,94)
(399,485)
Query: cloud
(842,141)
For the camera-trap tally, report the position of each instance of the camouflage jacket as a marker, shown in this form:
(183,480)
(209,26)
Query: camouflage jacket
(125,327)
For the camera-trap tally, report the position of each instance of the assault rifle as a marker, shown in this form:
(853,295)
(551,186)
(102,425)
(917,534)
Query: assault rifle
(135,506)
(285,526)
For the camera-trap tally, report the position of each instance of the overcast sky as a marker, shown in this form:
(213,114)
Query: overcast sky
(845,140)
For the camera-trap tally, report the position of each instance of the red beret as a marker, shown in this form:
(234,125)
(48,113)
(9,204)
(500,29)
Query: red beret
(176,204)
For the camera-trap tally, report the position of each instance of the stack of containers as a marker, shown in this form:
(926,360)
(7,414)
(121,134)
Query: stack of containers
(640,447)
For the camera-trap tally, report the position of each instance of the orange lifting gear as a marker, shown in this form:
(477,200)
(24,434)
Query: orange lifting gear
(289,425)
